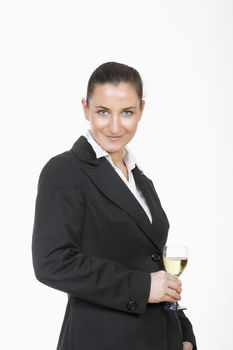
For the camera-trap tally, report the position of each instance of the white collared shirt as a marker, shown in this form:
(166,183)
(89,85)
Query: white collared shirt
(130,163)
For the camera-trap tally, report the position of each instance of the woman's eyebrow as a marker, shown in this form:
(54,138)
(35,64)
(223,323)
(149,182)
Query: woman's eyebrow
(101,107)
(128,107)
(108,108)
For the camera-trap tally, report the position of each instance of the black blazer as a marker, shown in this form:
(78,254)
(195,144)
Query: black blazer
(93,240)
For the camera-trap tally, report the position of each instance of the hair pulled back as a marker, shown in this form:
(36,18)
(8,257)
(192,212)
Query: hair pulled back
(114,73)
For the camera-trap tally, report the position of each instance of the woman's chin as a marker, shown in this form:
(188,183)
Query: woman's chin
(114,149)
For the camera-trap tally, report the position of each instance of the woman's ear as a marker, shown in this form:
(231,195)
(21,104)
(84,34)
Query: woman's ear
(85,108)
(142,108)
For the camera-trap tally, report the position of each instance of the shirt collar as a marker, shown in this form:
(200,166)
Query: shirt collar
(128,156)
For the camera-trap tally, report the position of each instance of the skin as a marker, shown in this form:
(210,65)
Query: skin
(187,345)
(114,118)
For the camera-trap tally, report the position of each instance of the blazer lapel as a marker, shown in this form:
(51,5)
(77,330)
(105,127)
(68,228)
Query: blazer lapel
(111,185)
(160,224)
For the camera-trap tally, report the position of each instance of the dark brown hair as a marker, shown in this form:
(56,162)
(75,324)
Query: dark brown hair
(115,73)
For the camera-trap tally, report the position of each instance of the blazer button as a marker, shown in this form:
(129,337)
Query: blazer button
(132,305)
(155,257)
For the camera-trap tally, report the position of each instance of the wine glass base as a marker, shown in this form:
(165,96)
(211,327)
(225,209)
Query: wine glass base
(174,306)
(181,307)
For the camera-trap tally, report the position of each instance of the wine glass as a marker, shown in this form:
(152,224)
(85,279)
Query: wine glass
(175,259)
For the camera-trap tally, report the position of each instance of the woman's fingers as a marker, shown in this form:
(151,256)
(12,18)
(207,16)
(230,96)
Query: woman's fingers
(173,278)
(187,345)
(170,299)
(164,287)
(172,294)
(174,286)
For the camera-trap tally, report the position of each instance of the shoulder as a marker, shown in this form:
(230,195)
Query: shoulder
(58,163)
(61,168)
(59,182)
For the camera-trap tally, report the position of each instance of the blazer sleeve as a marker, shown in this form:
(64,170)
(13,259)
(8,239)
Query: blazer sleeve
(187,329)
(58,259)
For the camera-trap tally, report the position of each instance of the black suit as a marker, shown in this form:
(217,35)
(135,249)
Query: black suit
(93,240)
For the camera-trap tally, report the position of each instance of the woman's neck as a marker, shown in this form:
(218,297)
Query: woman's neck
(117,158)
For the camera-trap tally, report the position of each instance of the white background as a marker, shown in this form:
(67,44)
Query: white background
(183,50)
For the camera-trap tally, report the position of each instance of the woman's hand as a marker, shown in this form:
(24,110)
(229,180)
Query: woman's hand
(164,287)
(187,345)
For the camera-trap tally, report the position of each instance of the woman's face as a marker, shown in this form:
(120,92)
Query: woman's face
(113,112)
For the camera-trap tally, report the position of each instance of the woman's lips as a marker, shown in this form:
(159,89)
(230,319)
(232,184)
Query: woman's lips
(114,138)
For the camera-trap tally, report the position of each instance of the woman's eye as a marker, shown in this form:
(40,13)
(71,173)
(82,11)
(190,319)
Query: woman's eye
(103,113)
(127,113)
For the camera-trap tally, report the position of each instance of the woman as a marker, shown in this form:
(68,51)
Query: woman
(100,229)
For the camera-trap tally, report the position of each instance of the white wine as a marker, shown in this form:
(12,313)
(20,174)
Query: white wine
(175,266)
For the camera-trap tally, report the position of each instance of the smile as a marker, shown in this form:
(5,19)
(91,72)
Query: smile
(113,138)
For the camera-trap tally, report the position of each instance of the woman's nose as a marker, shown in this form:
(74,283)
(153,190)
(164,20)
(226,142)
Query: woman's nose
(114,125)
